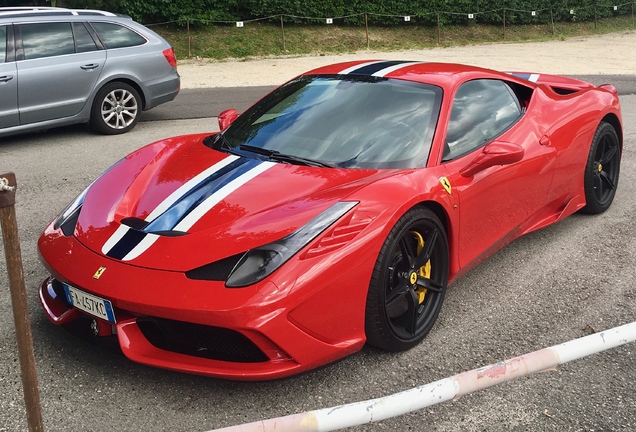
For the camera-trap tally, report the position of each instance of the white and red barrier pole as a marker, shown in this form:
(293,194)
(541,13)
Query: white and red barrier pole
(358,413)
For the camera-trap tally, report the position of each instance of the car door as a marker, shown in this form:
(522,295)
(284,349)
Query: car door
(8,80)
(58,64)
(497,165)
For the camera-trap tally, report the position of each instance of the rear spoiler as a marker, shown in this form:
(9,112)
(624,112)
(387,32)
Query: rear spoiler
(560,84)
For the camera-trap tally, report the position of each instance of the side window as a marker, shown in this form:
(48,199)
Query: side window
(83,40)
(47,40)
(117,36)
(3,44)
(482,109)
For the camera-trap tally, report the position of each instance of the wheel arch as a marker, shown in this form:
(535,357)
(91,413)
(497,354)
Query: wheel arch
(613,120)
(134,84)
(442,213)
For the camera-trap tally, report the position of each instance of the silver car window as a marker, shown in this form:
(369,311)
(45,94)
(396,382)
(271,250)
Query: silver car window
(83,40)
(117,36)
(47,39)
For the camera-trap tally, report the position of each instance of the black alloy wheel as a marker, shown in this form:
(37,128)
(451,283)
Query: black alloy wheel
(602,170)
(409,282)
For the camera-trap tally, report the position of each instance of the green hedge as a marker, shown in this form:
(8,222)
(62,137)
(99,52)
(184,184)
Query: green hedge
(352,12)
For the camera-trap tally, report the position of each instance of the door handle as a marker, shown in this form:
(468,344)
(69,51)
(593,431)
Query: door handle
(6,78)
(90,66)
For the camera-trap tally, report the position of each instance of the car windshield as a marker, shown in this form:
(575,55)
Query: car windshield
(341,121)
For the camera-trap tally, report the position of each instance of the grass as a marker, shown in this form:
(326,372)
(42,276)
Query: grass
(261,39)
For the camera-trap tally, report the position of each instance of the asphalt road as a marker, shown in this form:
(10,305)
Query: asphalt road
(548,287)
(209,102)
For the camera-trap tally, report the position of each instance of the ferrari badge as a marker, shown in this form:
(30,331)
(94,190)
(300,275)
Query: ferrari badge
(99,272)
(447,186)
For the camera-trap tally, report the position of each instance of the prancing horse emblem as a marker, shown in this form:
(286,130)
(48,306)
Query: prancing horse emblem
(446,184)
(100,271)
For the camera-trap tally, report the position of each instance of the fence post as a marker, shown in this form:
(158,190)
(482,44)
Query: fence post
(504,21)
(366,26)
(594,14)
(19,301)
(552,21)
(282,29)
(439,31)
(189,37)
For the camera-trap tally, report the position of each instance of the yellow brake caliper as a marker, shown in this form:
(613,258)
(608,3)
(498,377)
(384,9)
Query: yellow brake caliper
(425,270)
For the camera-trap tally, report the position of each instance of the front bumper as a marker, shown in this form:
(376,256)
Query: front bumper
(156,311)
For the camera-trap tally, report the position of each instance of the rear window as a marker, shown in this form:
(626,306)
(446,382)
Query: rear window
(117,36)
(47,40)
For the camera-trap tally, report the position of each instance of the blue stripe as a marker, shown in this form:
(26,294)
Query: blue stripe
(188,202)
(376,67)
(127,243)
(522,76)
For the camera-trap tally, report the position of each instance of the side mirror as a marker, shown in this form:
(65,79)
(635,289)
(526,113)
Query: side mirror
(495,153)
(226,118)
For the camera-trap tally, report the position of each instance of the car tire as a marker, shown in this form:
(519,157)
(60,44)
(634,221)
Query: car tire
(116,109)
(602,170)
(408,283)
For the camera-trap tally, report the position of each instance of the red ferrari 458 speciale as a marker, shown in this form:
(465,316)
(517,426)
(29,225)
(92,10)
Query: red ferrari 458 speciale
(332,213)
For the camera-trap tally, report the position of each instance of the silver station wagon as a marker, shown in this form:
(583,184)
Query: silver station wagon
(63,66)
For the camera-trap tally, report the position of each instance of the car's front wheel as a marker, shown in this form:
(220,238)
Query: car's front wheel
(409,282)
(116,109)
(602,169)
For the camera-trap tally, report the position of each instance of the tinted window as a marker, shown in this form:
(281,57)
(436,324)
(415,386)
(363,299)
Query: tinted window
(3,44)
(352,122)
(116,36)
(482,109)
(47,40)
(83,40)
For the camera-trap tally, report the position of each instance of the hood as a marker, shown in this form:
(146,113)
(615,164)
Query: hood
(177,204)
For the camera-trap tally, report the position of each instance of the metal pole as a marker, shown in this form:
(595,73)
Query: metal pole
(19,301)
(282,29)
(358,413)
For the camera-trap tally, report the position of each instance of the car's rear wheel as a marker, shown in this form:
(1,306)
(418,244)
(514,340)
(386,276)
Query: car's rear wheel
(409,282)
(116,109)
(602,169)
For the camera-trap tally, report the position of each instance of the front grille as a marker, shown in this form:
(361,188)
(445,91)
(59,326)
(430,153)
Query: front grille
(199,340)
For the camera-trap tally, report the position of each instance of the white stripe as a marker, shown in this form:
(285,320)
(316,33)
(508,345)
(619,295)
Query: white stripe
(187,186)
(388,70)
(219,195)
(141,247)
(534,78)
(112,241)
(358,66)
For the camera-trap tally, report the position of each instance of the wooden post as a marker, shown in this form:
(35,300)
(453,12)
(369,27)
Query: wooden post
(282,29)
(439,31)
(504,20)
(552,21)
(594,14)
(189,38)
(366,25)
(19,301)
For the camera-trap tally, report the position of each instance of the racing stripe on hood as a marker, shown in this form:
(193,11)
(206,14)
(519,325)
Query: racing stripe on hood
(184,207)
(376,68)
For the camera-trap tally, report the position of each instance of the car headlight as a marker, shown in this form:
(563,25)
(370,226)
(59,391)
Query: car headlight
(68,217)
(258,263)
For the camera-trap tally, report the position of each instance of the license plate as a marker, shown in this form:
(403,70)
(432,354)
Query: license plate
(92,305)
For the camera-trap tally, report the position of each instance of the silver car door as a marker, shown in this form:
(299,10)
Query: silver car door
(8,80)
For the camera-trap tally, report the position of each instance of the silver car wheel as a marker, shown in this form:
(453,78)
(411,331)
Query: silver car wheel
(119,109)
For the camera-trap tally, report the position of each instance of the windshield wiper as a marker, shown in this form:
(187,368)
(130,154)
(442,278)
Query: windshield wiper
(225,144)
(275,155)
